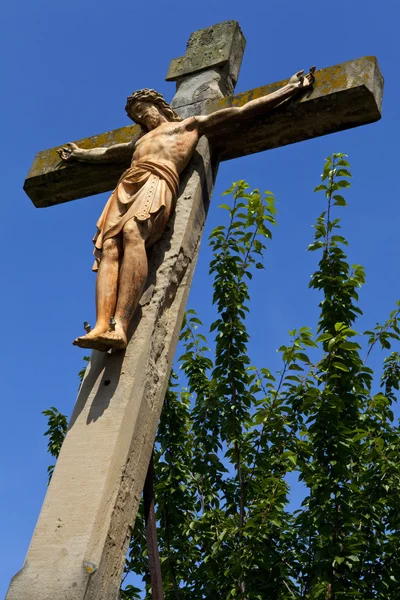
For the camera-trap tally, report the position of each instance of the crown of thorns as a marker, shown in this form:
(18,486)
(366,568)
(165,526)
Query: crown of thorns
(154,97)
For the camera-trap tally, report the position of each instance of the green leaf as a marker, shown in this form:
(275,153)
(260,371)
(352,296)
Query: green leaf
(340,365)
(339,200)
(343,173)
(342,183)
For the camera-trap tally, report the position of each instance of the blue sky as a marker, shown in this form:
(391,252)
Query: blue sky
(67,68)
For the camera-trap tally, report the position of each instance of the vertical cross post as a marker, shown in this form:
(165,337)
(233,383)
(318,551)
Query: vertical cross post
(78,548)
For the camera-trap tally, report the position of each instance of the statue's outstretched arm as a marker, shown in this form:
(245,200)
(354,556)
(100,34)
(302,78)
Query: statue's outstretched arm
(116,153)
(299,82)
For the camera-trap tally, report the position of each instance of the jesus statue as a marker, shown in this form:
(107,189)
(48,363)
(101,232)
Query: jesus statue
(141,205)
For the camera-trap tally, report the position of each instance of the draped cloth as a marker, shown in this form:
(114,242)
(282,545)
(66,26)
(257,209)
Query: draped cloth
(144,190)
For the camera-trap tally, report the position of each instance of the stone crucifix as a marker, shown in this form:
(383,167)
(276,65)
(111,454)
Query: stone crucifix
(79,544)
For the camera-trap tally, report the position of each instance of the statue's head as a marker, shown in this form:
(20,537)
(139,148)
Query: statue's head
(145,106)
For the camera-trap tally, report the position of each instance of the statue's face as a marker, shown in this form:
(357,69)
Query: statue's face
(147,113)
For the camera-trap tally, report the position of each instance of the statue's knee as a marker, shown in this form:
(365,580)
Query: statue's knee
(134,233)
(110,249)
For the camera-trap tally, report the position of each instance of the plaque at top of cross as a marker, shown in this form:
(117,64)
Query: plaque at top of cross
(78,548)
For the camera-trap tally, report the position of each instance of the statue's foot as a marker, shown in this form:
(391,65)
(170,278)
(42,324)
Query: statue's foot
(116,340)
(91,341)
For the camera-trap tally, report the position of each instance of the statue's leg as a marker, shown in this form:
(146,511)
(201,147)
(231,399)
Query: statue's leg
(107,284)
(106,293)
(132,278)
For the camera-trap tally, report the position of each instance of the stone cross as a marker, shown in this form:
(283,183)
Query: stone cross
(79,544)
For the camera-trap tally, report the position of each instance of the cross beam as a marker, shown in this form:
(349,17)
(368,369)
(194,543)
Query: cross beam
(344,96)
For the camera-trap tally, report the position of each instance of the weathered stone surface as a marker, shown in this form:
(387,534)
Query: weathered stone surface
(51,181)
(210,85)
(345,95)
(215,46)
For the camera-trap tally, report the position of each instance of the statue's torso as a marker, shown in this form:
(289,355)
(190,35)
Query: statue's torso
(170,143)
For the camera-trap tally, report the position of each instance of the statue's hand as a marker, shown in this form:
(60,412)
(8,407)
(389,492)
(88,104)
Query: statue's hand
(70,151)
(302,81)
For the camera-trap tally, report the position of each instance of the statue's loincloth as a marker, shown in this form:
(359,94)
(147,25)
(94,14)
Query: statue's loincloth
(145,189)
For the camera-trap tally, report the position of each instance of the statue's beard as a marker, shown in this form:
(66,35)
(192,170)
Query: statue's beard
(154,121)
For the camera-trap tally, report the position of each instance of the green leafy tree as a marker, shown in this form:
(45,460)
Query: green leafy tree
(231,433)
